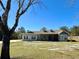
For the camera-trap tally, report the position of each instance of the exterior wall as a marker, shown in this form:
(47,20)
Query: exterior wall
(34,37)
(40,37)
(29,37)
(44,37)
(53,37)
(63,37)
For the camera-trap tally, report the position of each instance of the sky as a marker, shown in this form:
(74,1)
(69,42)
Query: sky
(52,14)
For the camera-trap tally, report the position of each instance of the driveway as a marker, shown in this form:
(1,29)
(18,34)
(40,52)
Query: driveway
(13,41)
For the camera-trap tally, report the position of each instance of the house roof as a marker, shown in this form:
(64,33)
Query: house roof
(47,32)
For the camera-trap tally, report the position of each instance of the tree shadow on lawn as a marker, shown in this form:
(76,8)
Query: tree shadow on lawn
(19,58)
(23,57)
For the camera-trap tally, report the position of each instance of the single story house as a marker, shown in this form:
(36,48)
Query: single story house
(58,35)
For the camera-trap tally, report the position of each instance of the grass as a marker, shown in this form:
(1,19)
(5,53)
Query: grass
(44,50)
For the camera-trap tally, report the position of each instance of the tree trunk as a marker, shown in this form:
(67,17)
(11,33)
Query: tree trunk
(5,54)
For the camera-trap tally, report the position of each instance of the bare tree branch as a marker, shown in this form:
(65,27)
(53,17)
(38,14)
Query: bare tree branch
(15,25)
(31,2)
(2,5)
(6,12)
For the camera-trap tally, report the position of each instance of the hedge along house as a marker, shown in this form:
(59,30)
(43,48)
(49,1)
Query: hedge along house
(58,35)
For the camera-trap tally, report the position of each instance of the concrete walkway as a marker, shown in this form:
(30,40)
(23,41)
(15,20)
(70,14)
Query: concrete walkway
(12,41)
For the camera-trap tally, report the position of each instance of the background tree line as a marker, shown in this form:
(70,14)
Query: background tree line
(74,31)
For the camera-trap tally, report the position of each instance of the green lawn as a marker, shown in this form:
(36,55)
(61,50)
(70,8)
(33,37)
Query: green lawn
(44,50)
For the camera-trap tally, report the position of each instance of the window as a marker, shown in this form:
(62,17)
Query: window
(26,37)
(33,37)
